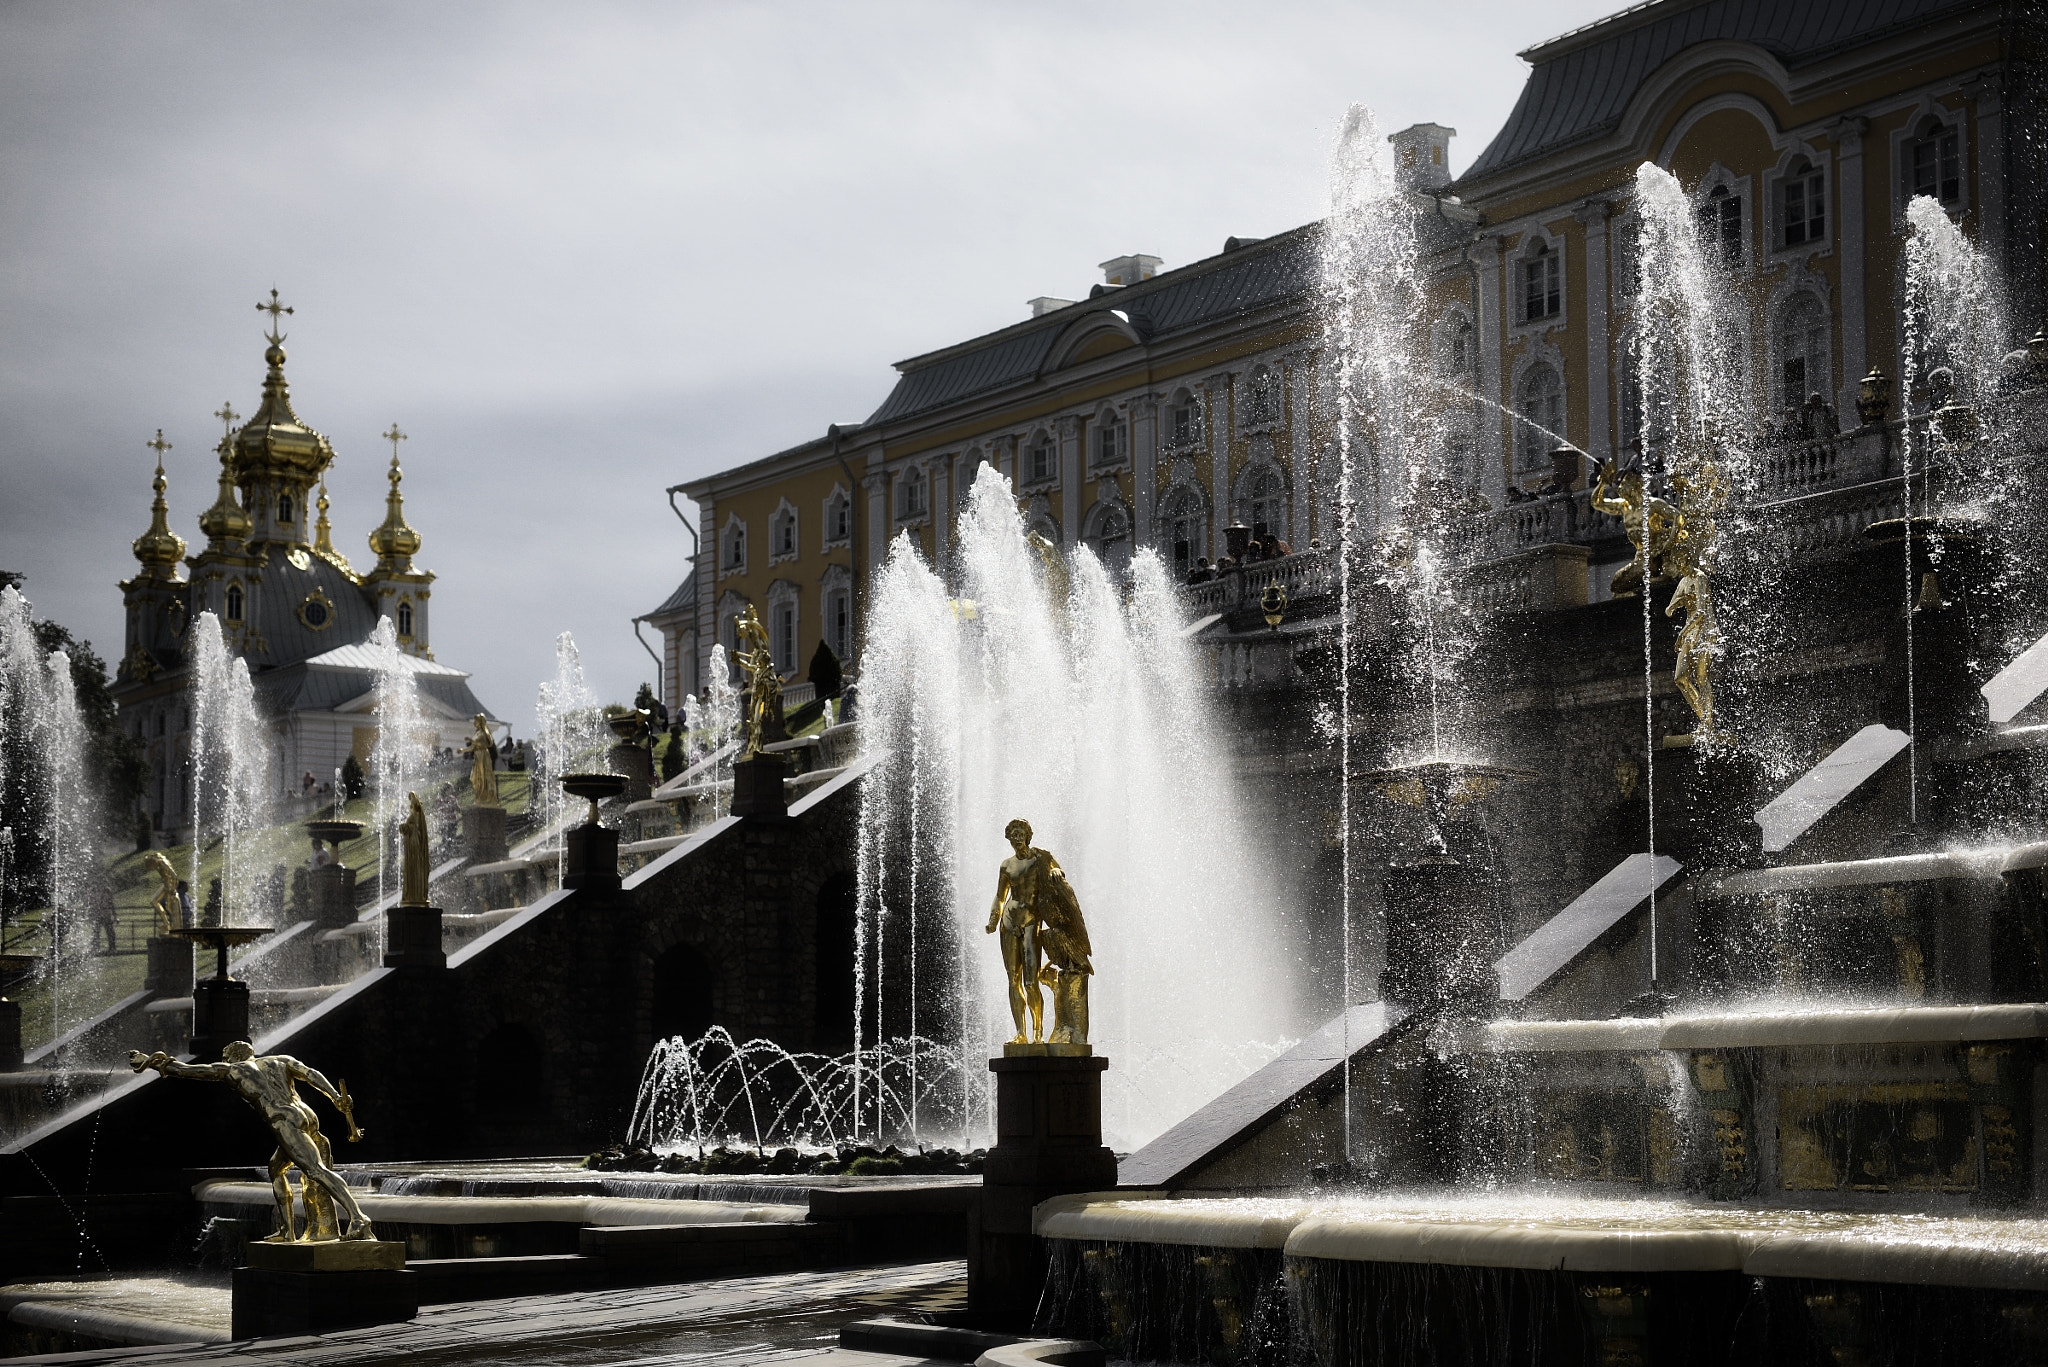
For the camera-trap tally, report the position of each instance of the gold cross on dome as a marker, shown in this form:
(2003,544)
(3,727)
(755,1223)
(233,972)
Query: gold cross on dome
(159,446)
(273,308)
(394,436)
(227,415)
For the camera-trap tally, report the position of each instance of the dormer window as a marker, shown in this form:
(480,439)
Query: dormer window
(284,507)
(1541,295)
(1043,460)
(1934,164)
(234,603)
(1719,220)
(1804,205)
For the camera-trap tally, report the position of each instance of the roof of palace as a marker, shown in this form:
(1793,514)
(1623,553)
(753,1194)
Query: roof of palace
(680,603)
(1581,82)
(325,682)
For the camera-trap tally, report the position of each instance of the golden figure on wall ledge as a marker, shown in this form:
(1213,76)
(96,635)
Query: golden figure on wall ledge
(764,685)
(483,763)
(1044,942)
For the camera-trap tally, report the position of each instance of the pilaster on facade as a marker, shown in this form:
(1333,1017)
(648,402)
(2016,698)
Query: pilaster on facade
(1299,367)
(1070,431)
(1849,232)
(939,492)
(1593,215)
(1486,256)
(1145,470)
(876,483)
(1221,422)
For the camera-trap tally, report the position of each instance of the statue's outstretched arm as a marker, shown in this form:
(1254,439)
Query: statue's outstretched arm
(314,1078)
(166,1066)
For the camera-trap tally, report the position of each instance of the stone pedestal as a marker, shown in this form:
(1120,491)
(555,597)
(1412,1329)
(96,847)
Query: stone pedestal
(170,966)
(1048,1143)
(1440,933)
(483,834)
(412,938)
(757,787)
(293,1288)
(592,858)
(636,765)
(220,1016)
(331,889)
(10,1036)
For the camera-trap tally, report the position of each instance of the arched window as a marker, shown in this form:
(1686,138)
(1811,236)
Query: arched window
(405,619)
(782,533)
(1111,538)
(284,507)
(1042,460)
(970,471)
(1541,406)
(1719,219)
(1263,504)
(1932,162)
(732,547)
(838,518)
(234,602)
(1184,420)
(1262,399)
(1803,367)
(1803,204)
(1182,528)
(838,606)
(1542,293)
(1457,345)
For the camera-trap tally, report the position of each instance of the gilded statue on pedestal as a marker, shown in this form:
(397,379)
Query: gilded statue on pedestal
(1650,522)
(416,865)
(764,685)
(1702,495)
(270,1085)
(1044,941)
(483,764)
(169,914)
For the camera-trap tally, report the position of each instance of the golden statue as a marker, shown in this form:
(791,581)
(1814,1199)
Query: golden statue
(1044,940)
(416,864)
(764,685)
(169,915)
(483,764)
(1651,523)
(270,1085)
(1702,493)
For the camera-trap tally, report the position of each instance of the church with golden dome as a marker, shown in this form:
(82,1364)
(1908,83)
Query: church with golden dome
(288,603)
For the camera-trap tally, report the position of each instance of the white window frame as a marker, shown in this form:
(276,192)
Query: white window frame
(732,547)
(783,530)
(837,504)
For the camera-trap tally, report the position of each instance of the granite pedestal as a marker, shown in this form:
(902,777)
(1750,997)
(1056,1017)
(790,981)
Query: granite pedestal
(592,858)
(170,971)
(220,1016)
(636,765)
(483,834)
(757,787)
(10,1036)
(412,938)
(312,1288)
(331,890)
(1048,1143)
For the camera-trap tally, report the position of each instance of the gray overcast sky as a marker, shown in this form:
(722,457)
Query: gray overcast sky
(582,252)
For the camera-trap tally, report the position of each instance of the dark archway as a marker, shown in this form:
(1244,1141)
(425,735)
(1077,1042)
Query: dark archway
(838,910)
(685,993)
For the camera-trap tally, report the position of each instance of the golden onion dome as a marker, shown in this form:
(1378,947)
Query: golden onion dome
(394,542)
(275,445)
(159,549)
(226,520)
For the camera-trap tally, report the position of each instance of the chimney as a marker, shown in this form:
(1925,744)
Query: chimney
(1129,270)
(1422,156)
(1045,304)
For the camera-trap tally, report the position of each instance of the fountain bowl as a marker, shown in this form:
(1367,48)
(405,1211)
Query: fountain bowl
(594,787)
(221,939)
(334,831)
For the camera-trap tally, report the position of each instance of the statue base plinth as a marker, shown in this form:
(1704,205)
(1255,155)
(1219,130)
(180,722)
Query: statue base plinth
(313,1288)
(483,834)
(757,786)
(1048,1049)
(326,1255)
(412,939)
(637,765)
(1049,1143)
(593,858)
(220,1016)
(170,971)
(331,892)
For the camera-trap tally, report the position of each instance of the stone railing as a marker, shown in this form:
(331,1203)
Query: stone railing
(1305,575)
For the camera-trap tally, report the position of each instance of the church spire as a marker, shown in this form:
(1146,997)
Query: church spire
(226,522)
(159,549)
(394,542)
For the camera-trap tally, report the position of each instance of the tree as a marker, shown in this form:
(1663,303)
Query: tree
(825,674)
(352,781)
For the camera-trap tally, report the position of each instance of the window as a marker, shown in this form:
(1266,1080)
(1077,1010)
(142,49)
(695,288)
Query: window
(1719,219)
(405,619)
(1265,502)
(1043,459)
(1541,297)
(1458,347)
(732,547)
(1804,207)
(234,605)
(1802,351)
(838,518)
(1541,408)
(782,534)
(1112,540)
(782,637)
(1262,402)
(838,620)
(1933,163)
(1181,526)
(969,472)
(1109,440)
(1184,421)
(915,496)
(284,507)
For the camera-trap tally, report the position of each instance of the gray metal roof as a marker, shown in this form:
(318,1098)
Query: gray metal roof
(684,599)
(1210,290)
(1581,83)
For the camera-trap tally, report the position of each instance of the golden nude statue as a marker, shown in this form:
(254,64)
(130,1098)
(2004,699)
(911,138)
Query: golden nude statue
(483,764)
(1044,940)
(270,1085)
(169,915)
(416,864)
(1699,641)
(764,685)
(1652,525)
